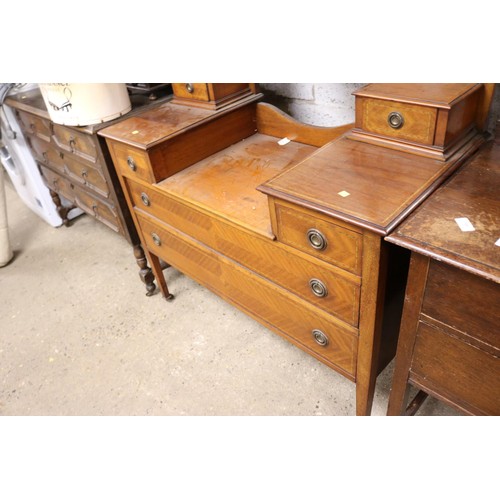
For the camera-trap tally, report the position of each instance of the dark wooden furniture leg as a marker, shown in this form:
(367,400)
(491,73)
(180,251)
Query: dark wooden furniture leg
(61,210)
(157,266)
(417,278)
(145,273)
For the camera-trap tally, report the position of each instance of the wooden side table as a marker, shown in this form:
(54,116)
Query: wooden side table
(449,345)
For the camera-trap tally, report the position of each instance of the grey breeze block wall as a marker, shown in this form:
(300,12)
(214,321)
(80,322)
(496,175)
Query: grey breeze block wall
(323,104)
(330,104)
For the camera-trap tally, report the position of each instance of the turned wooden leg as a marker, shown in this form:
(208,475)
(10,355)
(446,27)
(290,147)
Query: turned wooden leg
(145,273)
(61,210)
(158,265)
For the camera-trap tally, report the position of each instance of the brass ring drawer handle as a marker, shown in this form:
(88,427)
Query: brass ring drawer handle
(72,143)
(318,288)
(320,337)
(395,120)
(189,87)
(156,239)
(145,199)
(316,239)
(131,163)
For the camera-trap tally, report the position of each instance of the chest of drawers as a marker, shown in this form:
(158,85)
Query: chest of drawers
(449,344)
(285,221)
(75,163)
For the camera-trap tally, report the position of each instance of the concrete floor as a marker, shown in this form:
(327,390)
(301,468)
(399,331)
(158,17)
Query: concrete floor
(78,336)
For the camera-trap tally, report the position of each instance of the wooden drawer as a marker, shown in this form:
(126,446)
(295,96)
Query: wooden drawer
(464,302)
(46,153)
(75,142)
(198,91)
(433,120)
(419,122)
(85,174)
(34,125)
(131,162)
(101,210)
(456,370)
(58,183)
(333,243)
(210,95)
(270,304)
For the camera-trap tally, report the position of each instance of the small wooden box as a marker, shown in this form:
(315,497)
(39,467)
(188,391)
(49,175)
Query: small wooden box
(210,95)
(431,120)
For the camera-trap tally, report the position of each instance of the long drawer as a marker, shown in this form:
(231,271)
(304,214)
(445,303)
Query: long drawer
(457,370)
(333,290)
(310,328)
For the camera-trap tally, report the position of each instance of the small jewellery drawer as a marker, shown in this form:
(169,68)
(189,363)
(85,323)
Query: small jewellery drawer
(75,142)
(34,125)
(198,91)
(131,162)
(398,120)
(58,183)
(87,175)
(317,237)
(46,153)
(304,325)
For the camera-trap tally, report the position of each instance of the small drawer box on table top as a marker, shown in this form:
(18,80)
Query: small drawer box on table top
(211,95)
(291,231)
(428,119)
(449,344)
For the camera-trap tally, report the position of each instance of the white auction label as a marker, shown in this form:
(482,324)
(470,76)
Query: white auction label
(497,243)
(283,141)
(465,224)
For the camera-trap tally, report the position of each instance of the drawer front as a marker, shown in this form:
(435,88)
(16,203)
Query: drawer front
(464,302)
(46,153)
(131,162)
(197,91)
(457,371)
(84,174)
(75,142)
(34,125)
(333,291)
(305,326)
(418,122)
(326,241)
(58,183)
(102,211)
